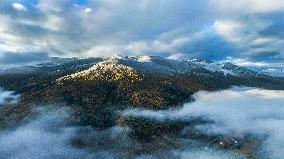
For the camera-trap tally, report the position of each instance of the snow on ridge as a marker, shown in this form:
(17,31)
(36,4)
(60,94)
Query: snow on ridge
(144,59)
(98,68)
(116,57)
(213,67)
(153,64)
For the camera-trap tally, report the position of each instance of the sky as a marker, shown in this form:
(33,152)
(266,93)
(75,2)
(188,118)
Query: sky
(244,30)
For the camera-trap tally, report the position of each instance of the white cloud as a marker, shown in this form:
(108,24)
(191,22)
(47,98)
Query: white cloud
(248,6)
(53,23)
(47,135)
(139,47)
(245,34)
(53,6)
(275,68)
(111,25)
(263,41)
(179,56)
(88,10)
(8,39)
(244,23)
(64,29)
(50,23)
(267,94)
(235,112)
(19,6)
(103,50)
(267,5)
(230,30)
(245,63)
(7,97)
(207,154)
(41,138)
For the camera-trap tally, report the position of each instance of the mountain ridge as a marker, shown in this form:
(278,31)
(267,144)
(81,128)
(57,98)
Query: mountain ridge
(58,68)
(96,90)
(154,64)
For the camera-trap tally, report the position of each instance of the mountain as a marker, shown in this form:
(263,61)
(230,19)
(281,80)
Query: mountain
(57,68)
(96,89)
(92,85)
(96,85)
(192,74)
(276,71)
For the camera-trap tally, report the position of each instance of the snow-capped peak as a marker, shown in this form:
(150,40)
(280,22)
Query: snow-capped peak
(144,58)
(116,57)
(108,70)
(160,65)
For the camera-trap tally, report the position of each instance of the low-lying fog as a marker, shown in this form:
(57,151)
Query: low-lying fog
(7,97)
(234,112)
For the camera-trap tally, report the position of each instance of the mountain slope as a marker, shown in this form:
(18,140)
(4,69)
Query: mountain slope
(97,89)
(92,85)
(191,75)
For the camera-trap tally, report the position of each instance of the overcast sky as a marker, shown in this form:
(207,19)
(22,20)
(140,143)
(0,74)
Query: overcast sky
(252,30)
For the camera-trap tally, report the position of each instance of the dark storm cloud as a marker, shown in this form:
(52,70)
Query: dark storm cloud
(21,58)
(275,23)
(212,47)
(263,55)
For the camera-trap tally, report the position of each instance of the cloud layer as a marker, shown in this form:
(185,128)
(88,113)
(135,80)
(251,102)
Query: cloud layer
(239,112)
(45,137)
(48,135)
(7,97)
(210,29)
(236,112)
